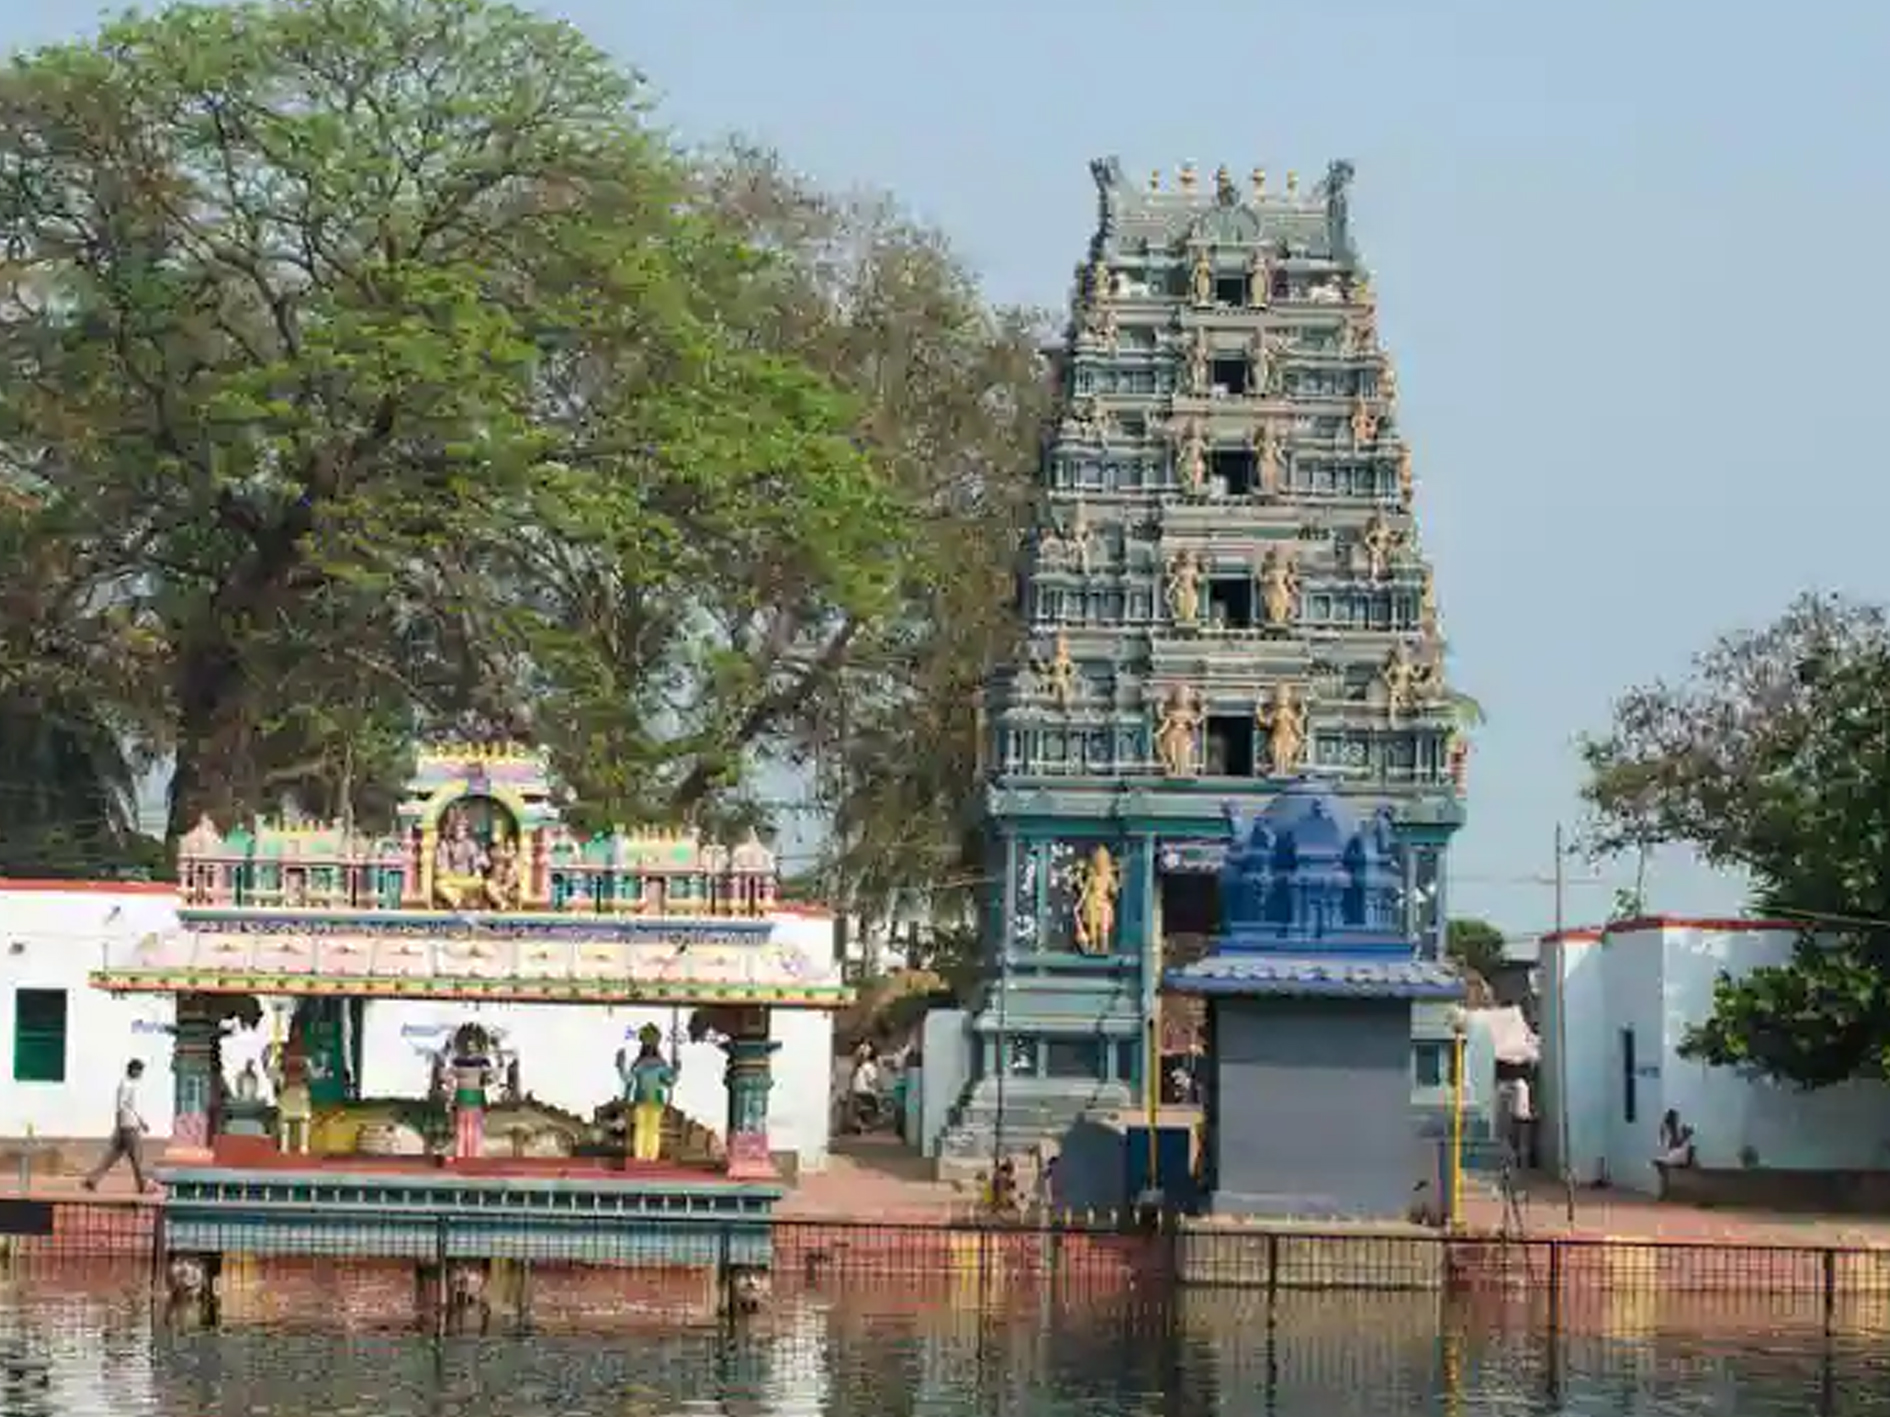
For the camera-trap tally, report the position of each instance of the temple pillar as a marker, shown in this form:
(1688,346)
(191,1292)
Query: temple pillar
(750,1078)
(194,1047)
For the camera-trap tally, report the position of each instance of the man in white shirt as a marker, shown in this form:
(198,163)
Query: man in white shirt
(128,1131)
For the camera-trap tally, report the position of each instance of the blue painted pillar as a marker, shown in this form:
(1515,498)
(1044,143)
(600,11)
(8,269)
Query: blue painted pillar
(193,1062)
(749,1078)
(1148,886)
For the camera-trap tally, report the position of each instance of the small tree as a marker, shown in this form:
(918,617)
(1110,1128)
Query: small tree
(1775,758)
(1477,945)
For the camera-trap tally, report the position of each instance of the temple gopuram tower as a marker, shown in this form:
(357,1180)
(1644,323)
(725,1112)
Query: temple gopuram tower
(1224,594)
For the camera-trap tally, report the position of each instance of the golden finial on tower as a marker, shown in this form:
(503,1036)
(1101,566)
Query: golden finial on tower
(1292,184)
(1187,177)
(1155,180)
(1259,179)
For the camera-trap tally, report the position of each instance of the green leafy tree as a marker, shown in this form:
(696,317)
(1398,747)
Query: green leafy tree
(1477,945)
(950,396)
(1775,758)
(375,354)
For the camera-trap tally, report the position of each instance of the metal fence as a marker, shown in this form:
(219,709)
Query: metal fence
(979,1260)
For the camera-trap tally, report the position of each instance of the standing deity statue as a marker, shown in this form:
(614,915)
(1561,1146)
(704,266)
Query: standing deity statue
(1407,483)
(1364,423)
(1259,279)
(1283,719)
(1201,279)
(1099,313)
(1270,444)
(1279,587)
(1060,674)
(1191,461)
(1359,338)
(1268,354)
(1457,760)
(1175,736)
(1388,382)
(1096,903)
(1198,364)
(1082,539)
(648,1079)
(1184,588)
(1378,542)
(1363,295)
(1408,683)
(1224,192)
(1427,603)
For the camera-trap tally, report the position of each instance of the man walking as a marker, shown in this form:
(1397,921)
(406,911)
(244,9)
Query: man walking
(128,1130)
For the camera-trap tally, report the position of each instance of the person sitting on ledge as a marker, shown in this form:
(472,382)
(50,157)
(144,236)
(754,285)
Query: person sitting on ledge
(1676,1140)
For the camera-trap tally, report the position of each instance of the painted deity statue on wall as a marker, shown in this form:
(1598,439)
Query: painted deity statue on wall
(1096,903)
(648,1080)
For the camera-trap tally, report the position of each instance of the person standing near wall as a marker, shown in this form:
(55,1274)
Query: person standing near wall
(128,1133)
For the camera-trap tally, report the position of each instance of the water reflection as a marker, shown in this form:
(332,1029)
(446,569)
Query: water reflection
(1212,1354)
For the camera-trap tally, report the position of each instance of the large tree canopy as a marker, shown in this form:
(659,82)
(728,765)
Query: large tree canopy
(373,362)
(1775,758)
(951,397)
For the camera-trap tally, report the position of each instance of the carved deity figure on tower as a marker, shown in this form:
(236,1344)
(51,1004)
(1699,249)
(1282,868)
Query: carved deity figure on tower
(1270,443)
(1224,191)
(1365,421)
(1378,541)
(1184,588)
(1388,382)
(1279,587)
(1427,604)
(1201,279)
(1409,682)
(1088,422)
(1268,354)
(1198,364)
(1059,674)
(1283,720)
(1360,336)
(1457,760)
(1175,735)
(1259,279)
(1081,539)
(1191,458)
(1363,295)
(1095,913)
(1099,312)
(1407,481)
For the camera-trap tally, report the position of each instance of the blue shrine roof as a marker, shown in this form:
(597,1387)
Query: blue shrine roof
(1312,903)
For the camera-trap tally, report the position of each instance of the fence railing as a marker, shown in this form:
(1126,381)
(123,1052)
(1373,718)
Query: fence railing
(970,1257)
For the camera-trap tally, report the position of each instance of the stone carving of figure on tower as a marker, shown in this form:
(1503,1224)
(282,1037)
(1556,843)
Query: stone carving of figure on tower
(1388,382)
(1198,364)
(1259,279)
(1175,736)
(1201,279)
(1082,539)
(1407,482)
(1279,587)
(1096,903)
(1283,719)
(1364,423)
(1408,682)
(1060,675)
(1100,310)
(1089,423)
(1184,588)
(1360,338)
(1378,543)
(1224,191)
(1270,443)
(1427,603)
(1363,295)
(1191,459)
(1457,760)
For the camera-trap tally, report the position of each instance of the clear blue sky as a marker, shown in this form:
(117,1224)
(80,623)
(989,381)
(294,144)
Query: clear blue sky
(1630,259)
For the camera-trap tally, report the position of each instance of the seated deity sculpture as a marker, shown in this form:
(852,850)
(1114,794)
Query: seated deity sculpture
(502,885)
(459,866)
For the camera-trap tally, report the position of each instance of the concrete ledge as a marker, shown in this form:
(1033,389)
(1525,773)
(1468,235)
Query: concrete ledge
(1765,1188)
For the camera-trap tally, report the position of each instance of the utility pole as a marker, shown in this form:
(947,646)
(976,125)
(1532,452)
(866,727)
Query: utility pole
(1561,1032)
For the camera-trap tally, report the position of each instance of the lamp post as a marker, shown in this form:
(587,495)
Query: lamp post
(1459,1036)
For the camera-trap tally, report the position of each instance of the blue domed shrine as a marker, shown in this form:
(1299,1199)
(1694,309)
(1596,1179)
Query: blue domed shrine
(1306,1096)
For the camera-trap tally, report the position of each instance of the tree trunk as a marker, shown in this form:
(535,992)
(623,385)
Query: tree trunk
(209,679)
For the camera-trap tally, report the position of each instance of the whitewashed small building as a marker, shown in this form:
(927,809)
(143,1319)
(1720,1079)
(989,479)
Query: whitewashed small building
(1616,1004)
(66,1043)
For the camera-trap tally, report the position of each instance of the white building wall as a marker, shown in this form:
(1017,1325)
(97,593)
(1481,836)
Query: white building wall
(1656,977)
(51,937)
(1841,1128)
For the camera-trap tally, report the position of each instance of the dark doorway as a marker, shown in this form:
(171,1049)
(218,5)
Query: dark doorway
(1191,913)
(1230,745)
